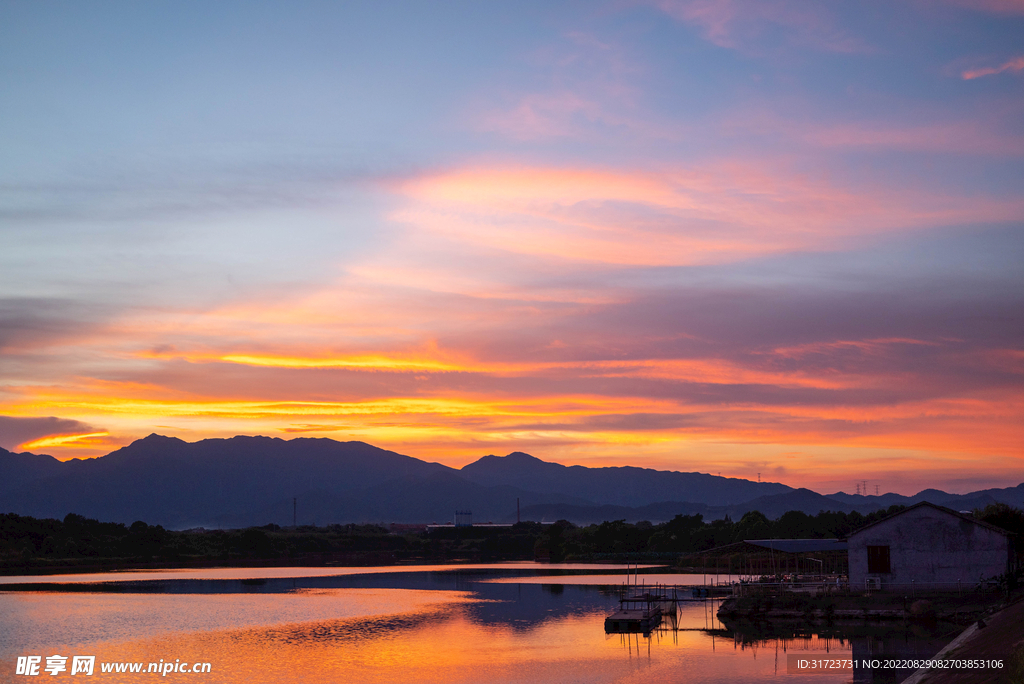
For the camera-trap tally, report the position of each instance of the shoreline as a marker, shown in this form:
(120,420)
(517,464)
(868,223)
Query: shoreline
(932,607)
(73,566)
(998,635)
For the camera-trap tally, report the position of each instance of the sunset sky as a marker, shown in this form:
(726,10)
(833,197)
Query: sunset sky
(734,237)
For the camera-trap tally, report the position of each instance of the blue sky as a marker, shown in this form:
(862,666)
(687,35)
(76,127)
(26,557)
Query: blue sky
(717,235)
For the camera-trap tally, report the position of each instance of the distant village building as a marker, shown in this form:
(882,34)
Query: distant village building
(929,547)
(463,518)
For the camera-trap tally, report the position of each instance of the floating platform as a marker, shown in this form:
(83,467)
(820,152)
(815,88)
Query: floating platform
(632,621)
(641,609)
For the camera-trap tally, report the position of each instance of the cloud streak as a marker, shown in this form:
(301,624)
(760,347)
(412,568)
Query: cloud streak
(1015,65)
(743,24)
(638,371)
(720,212)
(28,433)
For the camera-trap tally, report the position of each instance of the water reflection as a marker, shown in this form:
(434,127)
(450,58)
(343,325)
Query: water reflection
(517,568)
(449,625)
(863,640)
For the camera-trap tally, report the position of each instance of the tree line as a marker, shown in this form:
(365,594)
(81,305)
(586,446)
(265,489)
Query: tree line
(686,534)
(27,541)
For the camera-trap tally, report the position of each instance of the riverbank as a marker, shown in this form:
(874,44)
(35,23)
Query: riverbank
(955,608)
(1000,635)
(60,566)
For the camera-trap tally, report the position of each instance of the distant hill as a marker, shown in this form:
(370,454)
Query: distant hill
(17,469)
(245,481)
(772,506)
(622,485)
(1014,496)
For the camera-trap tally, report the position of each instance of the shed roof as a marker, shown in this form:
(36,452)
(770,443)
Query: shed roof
(799,545)
(948,511)
(779,545)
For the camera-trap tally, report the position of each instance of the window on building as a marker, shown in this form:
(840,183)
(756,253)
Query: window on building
(878,559)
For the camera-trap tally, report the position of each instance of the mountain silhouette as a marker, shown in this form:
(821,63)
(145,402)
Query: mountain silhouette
(244,481)
(620,485)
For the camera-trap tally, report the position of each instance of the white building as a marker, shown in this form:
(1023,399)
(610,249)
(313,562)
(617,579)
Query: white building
(928,547)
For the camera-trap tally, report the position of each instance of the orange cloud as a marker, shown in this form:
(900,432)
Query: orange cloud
(452,415)
(458,426)
(433,361)
(372,363)
(89,439)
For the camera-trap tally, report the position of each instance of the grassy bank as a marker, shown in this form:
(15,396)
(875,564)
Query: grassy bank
(936,606)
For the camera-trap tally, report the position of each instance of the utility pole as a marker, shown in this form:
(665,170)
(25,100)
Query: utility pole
(295,510)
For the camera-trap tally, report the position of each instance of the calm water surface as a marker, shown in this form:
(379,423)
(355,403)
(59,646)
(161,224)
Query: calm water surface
(444,624)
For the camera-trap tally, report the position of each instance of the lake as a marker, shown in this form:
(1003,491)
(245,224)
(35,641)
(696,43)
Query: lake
(479,624)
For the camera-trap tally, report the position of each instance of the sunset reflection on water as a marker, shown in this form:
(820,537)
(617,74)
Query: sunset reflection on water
(483,632)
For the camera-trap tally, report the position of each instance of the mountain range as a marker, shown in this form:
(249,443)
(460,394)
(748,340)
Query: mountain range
(243,481)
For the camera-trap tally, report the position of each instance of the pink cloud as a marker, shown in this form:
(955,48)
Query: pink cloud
(740,24)
(876,346)
(1014,65)
(717,213)
(591,86)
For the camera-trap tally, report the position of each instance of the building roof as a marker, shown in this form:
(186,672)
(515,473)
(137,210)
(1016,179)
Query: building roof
(444,526)
(780,545)
(948,511)
(799,545)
